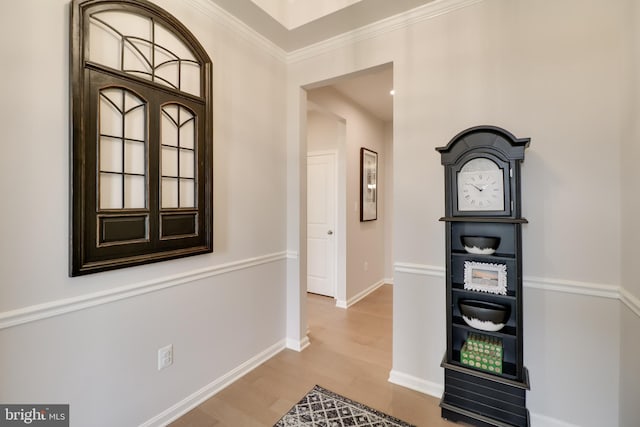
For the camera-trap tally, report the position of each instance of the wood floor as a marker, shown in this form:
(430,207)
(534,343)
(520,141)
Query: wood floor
(350,354)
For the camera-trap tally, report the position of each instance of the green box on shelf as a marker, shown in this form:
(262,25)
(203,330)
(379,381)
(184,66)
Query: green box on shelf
(484,344)
(489,361)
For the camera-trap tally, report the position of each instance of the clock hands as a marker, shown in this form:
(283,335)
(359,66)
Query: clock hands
(478,187)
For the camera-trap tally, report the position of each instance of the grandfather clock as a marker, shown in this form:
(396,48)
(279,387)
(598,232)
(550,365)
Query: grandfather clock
(485,379)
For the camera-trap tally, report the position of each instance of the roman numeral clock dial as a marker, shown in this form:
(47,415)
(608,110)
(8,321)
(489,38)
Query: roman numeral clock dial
(480,186)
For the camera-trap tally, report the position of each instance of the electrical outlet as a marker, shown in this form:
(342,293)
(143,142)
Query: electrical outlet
(165,357)
(366,266)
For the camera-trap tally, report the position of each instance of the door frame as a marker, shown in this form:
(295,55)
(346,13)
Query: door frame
(296,275)
(338,233)
(341,182)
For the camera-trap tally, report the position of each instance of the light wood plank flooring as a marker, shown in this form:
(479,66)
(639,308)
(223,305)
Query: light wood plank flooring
(350,354)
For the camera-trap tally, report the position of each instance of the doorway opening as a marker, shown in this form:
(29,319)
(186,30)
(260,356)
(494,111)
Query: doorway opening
(347,258)
(325,218)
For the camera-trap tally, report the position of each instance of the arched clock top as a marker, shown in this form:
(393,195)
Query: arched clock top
(484,139)
(482,173)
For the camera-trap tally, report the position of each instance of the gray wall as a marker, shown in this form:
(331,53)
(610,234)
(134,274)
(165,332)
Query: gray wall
(92,341)
(554,71)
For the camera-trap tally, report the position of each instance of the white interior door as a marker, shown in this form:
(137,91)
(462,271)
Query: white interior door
(321,219)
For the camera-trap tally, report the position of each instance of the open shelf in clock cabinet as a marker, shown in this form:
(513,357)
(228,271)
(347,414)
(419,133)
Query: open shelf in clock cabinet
(466,388)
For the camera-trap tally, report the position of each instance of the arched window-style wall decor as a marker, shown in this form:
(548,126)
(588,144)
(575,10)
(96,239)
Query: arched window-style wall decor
(142,137)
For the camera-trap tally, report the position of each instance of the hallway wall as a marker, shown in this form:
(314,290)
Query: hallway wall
(630,228)
(92,341)
(365,242)
(552,71)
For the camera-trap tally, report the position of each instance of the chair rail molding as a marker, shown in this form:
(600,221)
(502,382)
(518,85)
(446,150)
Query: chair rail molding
(421,269)
(573,287)
(543,283)
(630,301)
(32,313)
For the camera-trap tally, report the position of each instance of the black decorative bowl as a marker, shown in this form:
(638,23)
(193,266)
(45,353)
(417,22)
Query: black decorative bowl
(483,315)
(481,245)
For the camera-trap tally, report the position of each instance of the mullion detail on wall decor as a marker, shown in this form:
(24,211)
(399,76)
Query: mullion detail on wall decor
(142,137)
(178,157)
(143,53)
(121,163)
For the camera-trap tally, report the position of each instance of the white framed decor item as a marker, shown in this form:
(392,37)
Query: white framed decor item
(485,277)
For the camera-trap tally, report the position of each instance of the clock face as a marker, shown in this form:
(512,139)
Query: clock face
(480,186)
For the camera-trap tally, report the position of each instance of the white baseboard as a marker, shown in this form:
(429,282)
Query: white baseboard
(417,384)
(538,420)
(354,299)
(190,402)
(436,390)
(298,345)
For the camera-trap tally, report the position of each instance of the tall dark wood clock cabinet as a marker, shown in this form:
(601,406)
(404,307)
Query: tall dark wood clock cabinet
(485,379)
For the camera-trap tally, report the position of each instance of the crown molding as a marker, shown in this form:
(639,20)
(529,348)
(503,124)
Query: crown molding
(232,23)
(401,20)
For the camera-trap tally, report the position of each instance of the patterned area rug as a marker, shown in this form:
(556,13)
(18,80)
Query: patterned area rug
(323,408)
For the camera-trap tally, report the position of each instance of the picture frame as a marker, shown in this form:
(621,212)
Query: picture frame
(368,185)
(485,277)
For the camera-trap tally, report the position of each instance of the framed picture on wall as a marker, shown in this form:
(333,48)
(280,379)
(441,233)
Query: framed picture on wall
(368,185)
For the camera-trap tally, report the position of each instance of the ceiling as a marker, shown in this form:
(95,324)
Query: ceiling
(295,13)
(295,24)
(370,90)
